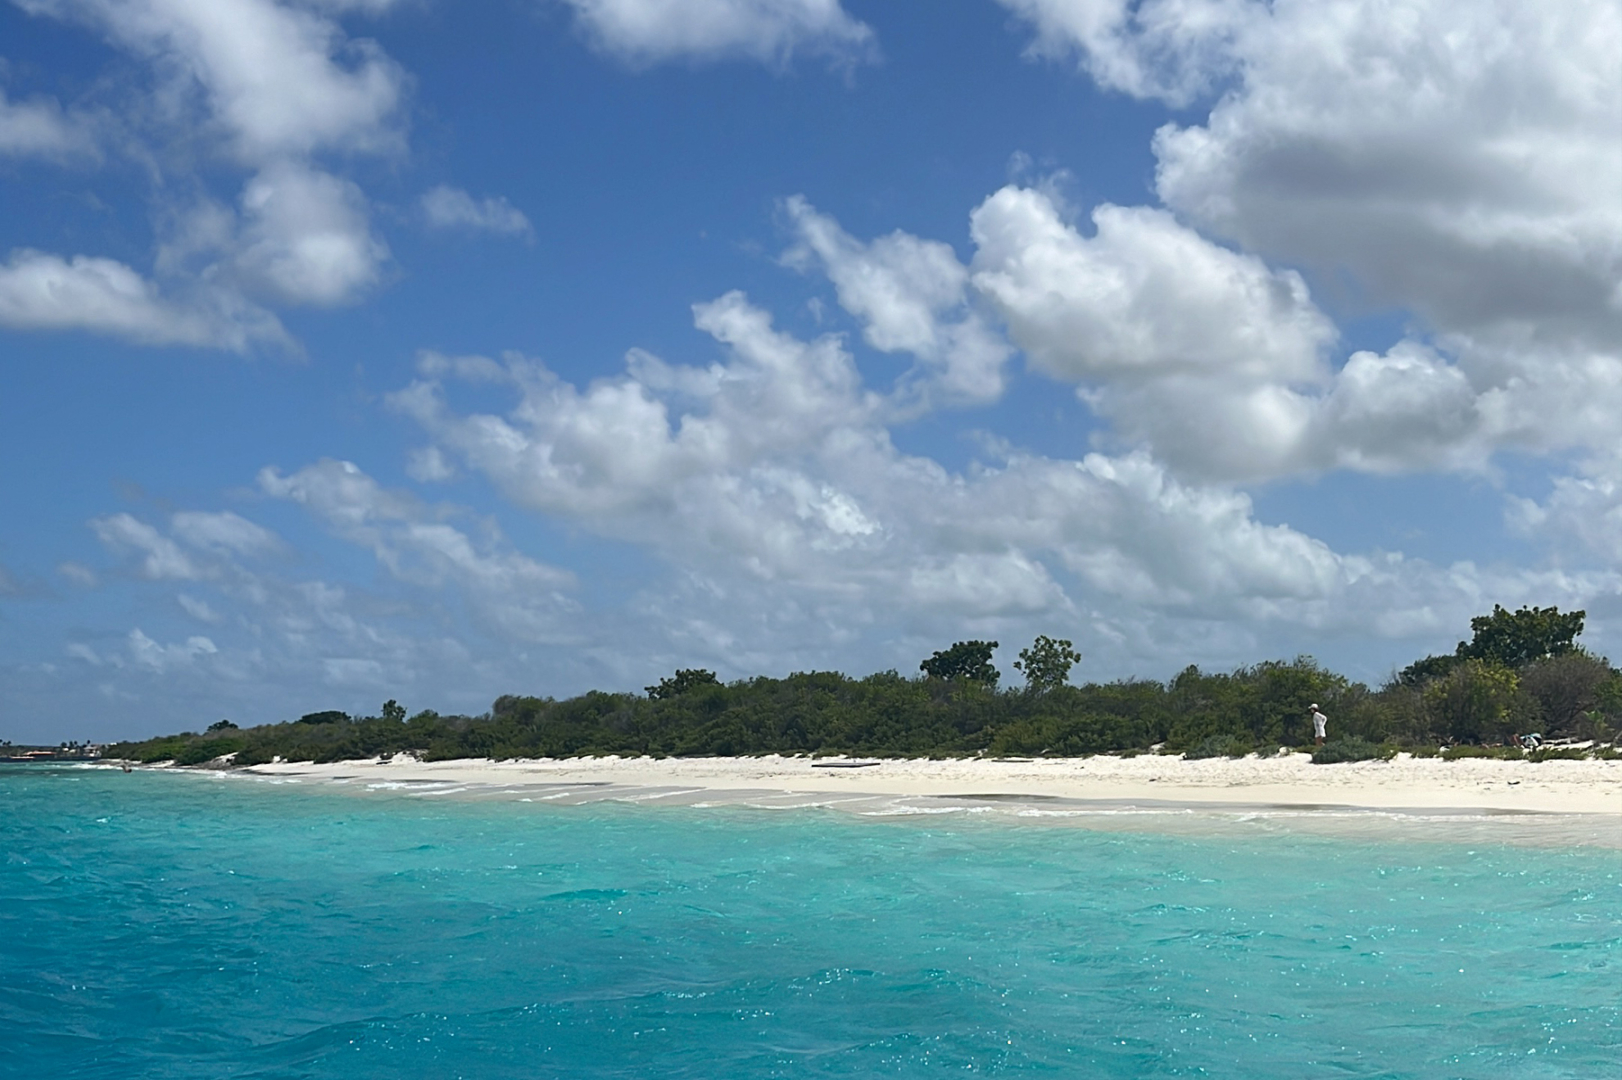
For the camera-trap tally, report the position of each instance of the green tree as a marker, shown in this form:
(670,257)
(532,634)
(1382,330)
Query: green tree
(1420,672)
(1476,702)
(1565,689)
(684,680)
(969,661)
(1046,664)
(394,712)
(1515,639)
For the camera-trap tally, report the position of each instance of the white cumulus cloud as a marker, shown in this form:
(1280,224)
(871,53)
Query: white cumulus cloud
(911,296)
(1458,158)
(306,238)
(41,291)
(1456,161)
(782,469)
(791,522)
(1142,298)
(1208,356)
(616,451)
(279,81)
(1168,49)
(1219,363)
(266,85)
(769,31)
(1582,514)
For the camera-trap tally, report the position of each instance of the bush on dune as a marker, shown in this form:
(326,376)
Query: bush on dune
(1558,753)
(1229,746)
(1352,748)
(1466,750)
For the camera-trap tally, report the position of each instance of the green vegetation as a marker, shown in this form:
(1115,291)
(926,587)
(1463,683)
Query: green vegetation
(1352,748)
(1505,639)
(1521,673)
(968,661)
(1228,746)
(1046,664)
(1557,753)
(1503,753)
(685,680)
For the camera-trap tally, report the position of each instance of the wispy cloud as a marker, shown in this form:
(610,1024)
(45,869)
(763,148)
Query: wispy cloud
(446,207)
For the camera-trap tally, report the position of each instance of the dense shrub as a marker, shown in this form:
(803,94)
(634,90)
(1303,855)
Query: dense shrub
(1067,736)
(1564,690)
(1263,705)
(1232,746)
(1558,753)
(202,750)
(253,755)
(1505,753)
(1351,748)
(1478,702)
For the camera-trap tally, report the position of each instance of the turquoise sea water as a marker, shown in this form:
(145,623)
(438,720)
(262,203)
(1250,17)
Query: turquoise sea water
(162,925)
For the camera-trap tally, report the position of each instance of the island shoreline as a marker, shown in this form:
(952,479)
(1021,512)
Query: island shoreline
(1414,785)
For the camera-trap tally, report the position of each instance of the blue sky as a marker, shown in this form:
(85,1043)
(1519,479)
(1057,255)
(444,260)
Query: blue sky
(354,349)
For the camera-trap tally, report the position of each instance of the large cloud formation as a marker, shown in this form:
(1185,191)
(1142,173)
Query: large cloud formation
(776,469)
(269,87)
(1454,161)
(1471,186)
(279,90)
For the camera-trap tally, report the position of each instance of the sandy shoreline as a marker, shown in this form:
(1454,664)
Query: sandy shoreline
(1405,784)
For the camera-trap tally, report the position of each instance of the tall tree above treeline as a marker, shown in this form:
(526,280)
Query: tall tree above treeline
(1506,639)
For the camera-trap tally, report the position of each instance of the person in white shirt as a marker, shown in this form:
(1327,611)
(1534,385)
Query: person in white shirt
(1319,724)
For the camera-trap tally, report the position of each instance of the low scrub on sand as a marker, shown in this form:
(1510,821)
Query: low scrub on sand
(1230,746)
(1352,748)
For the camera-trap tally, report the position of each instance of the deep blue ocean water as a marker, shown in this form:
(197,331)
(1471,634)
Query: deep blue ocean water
(162,925)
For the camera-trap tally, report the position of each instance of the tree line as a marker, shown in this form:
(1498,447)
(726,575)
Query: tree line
(1520,672)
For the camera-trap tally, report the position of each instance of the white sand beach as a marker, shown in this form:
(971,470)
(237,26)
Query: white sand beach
(1406,784)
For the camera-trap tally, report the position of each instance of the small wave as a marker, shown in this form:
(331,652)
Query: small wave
(910,811)
(661,793)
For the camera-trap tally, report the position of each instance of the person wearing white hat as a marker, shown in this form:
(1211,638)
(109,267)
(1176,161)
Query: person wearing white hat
(1319,723)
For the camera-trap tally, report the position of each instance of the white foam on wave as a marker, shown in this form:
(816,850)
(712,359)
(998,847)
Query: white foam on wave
(903,810)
